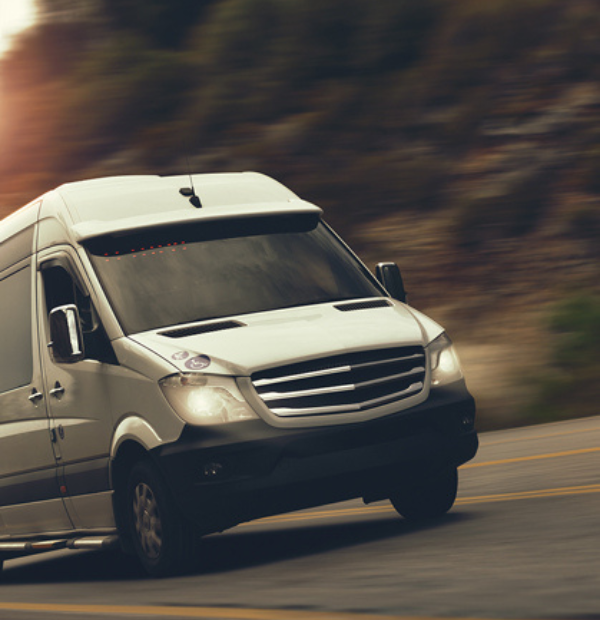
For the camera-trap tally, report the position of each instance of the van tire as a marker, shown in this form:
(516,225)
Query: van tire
(162,537)
(431,498)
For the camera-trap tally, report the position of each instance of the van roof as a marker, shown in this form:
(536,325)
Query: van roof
(114,204)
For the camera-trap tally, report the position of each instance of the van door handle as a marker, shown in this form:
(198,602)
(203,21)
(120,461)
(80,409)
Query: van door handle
(57,390)
(35,396)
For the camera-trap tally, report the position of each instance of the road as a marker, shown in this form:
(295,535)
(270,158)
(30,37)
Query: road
(523,541)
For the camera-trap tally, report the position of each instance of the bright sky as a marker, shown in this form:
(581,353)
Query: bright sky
(15,15)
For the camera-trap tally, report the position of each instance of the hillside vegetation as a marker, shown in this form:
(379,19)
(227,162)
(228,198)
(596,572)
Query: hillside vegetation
(460,138)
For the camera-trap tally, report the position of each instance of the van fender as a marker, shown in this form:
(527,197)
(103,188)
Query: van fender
(135,429)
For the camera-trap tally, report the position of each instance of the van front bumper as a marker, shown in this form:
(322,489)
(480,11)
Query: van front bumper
(223,475)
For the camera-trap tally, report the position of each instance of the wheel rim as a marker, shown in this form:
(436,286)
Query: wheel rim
(147,522)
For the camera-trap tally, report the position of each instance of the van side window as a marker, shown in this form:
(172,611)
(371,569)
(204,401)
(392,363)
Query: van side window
(16,361)
(61,289)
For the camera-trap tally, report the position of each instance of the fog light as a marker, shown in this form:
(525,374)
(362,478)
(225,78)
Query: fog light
(467,421)
(213,470)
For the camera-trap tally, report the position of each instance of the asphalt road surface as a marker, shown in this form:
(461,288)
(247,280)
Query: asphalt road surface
(522,541)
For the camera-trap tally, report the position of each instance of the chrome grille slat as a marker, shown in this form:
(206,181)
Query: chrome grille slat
(301,393)
(342,383)
(415,371)
(417,356)
(283,412)
(413,389)
(305,375)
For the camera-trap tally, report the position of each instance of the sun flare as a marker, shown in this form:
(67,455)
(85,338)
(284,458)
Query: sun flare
(15,15)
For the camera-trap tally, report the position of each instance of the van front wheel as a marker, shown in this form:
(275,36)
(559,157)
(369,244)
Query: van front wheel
(429,499)
(163,539)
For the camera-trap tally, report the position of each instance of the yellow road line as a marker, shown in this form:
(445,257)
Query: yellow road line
(322,514)
(535,457)
(315,514)
(206,613)
(485,444)
(558,492)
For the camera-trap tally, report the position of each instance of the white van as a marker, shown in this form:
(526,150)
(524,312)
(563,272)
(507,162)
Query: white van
(182,354)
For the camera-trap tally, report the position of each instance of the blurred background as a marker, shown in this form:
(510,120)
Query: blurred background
(458,138)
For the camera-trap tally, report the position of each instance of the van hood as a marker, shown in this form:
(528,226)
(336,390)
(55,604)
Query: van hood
(242,345)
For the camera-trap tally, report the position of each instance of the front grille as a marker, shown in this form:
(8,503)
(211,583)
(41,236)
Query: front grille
(342,383)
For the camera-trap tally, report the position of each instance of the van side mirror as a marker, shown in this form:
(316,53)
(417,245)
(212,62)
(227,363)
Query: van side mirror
(65,332)
(389,275)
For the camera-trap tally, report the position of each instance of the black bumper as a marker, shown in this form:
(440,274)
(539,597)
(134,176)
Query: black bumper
(224,475)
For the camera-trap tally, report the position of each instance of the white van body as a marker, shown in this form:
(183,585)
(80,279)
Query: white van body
(237,360)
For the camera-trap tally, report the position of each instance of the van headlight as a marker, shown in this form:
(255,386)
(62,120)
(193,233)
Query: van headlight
(445,365)
(206,399)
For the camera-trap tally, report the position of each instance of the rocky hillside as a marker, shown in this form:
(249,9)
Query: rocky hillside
(459,138)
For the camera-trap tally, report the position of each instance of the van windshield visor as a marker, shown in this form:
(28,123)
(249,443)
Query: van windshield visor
(215,269)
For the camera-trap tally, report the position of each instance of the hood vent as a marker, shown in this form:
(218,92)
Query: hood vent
(206,328)
(363,305)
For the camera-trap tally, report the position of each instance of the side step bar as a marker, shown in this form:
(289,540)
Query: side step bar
(85,542)
(94,542)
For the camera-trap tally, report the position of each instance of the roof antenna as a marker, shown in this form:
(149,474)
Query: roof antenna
(190,191)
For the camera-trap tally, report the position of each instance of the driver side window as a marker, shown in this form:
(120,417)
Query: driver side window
(60,288)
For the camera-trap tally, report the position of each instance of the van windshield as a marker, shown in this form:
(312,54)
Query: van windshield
(169,276)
